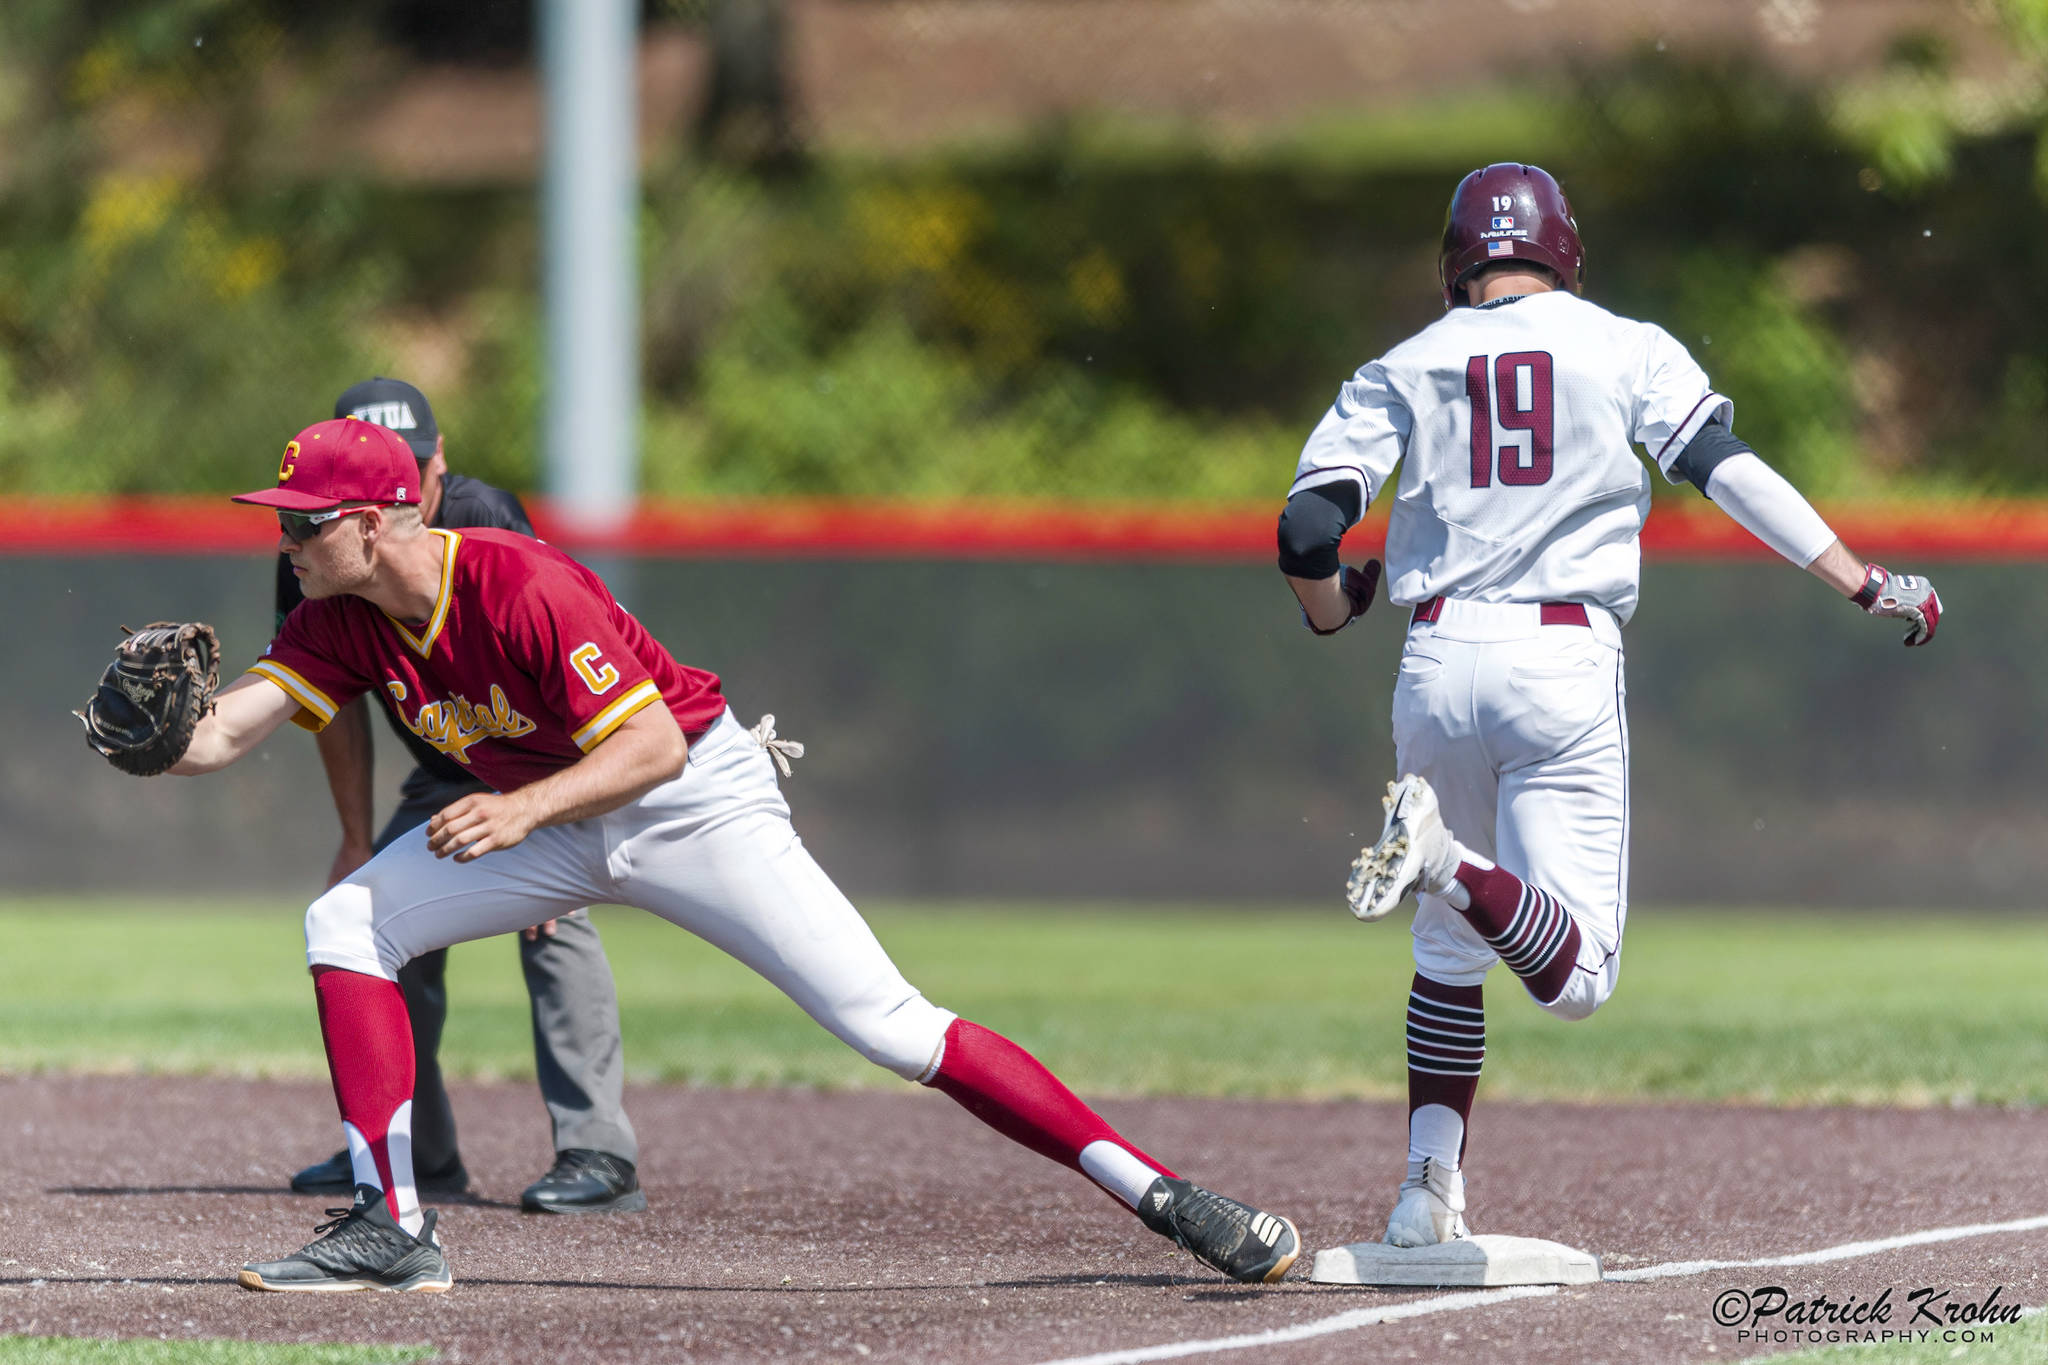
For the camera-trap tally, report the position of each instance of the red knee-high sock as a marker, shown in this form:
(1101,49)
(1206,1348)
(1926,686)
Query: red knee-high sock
(1446,1047)
(1534,934)
(1011,1091)
(363,1022)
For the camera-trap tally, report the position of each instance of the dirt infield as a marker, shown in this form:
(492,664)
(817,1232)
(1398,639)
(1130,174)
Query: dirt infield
(889,1226)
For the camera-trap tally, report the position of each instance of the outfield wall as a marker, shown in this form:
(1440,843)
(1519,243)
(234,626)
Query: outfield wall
(1155,730)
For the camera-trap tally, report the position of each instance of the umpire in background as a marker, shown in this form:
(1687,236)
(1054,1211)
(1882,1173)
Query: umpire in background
(576,1045)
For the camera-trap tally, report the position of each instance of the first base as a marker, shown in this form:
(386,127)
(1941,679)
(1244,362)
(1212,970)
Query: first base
(1466,1263)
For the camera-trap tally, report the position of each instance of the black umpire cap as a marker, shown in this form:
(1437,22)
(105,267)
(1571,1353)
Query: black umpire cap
(395,404)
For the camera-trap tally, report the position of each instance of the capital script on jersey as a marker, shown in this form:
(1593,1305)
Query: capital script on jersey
(453,725)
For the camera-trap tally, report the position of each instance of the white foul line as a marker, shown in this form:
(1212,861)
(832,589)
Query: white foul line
(1846,1251)
(1485,1298)
(1321,1327)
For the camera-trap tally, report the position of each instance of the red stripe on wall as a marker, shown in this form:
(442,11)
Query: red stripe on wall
(990,530)
(791,528)
(165,525)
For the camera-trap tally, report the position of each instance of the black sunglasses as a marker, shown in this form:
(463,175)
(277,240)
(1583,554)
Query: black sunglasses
(300,527)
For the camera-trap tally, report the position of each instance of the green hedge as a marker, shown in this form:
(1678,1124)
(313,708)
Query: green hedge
(1083,313)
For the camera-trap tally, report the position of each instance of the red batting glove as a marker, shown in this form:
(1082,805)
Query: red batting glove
(1903,595)
(1359,585)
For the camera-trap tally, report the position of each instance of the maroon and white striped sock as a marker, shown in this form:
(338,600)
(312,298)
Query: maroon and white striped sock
(1532,931)
(1446,1047)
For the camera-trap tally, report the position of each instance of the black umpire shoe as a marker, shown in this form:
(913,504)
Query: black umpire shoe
(586,1181)
(361,1247)
(337,1175)
(1221,1233)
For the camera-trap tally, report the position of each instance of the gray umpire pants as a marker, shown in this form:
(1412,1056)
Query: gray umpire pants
(577,1052)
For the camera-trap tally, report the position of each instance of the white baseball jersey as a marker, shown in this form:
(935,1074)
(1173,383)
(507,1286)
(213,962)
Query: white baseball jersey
(1512,426)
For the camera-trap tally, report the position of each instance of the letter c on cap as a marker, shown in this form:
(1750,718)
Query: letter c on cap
(290,463)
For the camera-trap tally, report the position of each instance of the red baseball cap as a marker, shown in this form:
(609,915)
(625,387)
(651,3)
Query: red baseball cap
(345,460)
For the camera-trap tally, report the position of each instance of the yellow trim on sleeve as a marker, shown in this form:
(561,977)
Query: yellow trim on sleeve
(318,704)
(423,645)
(615,715)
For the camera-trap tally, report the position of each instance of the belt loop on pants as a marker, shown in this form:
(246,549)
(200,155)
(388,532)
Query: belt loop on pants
(1548,613)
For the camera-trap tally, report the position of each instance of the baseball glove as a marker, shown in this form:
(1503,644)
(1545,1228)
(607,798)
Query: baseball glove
(151,698)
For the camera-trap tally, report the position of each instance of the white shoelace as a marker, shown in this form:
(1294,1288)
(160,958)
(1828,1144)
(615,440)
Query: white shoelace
(781,750)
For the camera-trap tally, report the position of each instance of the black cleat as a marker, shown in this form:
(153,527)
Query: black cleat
(586,1181)
(337,1175)
(361,1247)
(1237,1239)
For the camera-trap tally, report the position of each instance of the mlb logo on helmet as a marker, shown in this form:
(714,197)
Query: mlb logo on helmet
(1502,222)
(1542,230)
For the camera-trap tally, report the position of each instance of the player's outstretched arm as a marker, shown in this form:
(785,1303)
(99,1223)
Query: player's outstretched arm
(646,751)
(244,714)
(1766,505)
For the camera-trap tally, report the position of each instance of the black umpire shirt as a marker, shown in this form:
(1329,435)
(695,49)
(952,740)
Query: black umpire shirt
(464,502)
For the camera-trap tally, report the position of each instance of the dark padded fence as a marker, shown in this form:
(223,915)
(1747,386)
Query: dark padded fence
(1148,731)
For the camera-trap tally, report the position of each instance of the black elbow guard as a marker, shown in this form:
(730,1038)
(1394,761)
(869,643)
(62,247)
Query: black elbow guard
(1704,453)
(1313,525)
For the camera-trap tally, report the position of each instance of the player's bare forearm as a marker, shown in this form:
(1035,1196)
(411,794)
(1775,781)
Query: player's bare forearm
(244,714)
(646,751)
(1839,568)
(1323,599)
(349,756)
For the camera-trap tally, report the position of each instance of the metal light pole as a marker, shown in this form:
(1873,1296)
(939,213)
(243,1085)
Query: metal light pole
(590,200)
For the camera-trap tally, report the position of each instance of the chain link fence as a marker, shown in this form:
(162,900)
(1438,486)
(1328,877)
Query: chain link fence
(1155,732)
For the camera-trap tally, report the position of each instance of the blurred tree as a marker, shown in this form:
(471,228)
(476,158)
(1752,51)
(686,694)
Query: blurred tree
(748,118)
(458,30)
(2027,22)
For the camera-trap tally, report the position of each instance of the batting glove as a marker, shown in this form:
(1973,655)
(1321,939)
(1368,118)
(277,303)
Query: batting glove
(1903,595)
(1359,585)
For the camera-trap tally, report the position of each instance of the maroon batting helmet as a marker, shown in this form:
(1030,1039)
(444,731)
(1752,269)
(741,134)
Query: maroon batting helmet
(1508,210)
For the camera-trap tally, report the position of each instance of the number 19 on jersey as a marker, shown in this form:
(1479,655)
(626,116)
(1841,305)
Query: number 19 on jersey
(1521,383)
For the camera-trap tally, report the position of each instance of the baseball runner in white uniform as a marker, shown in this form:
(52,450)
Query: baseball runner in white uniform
(1513,537)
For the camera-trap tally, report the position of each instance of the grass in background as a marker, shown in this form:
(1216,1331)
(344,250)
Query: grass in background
(100,1351)
(1772,1008)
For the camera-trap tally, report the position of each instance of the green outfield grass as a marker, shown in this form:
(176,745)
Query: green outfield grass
(97,1351)
(1772,1008)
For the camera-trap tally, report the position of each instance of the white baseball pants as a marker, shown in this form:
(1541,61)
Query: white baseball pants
(1521,729)
(712,851)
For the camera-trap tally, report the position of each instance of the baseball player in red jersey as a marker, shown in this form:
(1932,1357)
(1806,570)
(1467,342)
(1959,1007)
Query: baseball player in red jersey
(1513,539)
(618,776)
(578,1057)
